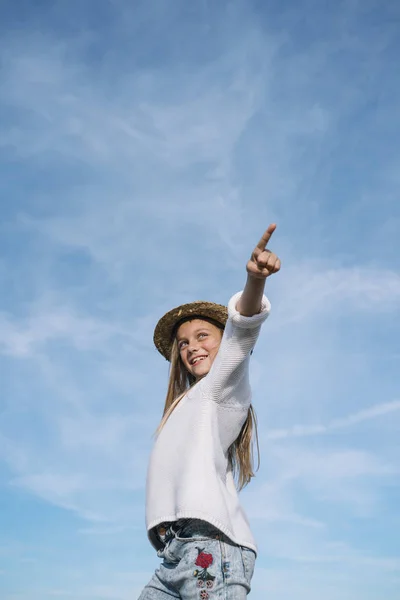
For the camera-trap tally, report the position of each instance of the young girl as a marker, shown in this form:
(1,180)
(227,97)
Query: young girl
(193,514)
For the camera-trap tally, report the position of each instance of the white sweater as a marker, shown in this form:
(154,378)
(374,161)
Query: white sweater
(188,474)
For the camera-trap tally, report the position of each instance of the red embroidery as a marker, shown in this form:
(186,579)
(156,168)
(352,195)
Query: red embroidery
(204,578)
(204,560)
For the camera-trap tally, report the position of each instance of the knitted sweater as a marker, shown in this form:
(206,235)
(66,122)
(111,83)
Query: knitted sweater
(189,475)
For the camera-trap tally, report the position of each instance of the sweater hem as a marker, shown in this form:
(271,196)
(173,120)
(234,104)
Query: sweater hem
(203,517)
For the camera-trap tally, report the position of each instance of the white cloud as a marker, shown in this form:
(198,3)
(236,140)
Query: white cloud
(21,338)
(311,289)
(373,412)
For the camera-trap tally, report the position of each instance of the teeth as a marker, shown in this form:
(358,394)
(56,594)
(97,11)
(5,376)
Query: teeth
(196,360)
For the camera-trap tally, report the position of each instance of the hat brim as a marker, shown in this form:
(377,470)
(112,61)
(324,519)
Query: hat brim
(166,326)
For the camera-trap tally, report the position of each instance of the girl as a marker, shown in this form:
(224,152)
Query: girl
(194,518)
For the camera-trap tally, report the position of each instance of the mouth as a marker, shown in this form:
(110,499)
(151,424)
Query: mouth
(197,360)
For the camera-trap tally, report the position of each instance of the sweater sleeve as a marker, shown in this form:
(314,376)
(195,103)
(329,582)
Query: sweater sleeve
(228,379)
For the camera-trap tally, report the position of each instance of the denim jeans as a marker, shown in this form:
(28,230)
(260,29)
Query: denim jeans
(200,563)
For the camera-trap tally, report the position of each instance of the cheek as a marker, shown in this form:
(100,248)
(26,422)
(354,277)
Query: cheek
(214,347)
(184,358)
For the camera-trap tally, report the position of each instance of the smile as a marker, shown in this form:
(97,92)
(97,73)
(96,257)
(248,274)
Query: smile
(196,360)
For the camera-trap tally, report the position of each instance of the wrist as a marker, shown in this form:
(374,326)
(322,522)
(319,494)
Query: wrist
(255,280)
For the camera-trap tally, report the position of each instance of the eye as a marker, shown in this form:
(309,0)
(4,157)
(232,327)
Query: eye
(203,335)
(181,345)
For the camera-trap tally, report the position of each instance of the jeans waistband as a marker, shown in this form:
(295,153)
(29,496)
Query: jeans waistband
(187,528)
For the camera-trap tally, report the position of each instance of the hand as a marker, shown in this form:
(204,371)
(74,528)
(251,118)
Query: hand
(263,262)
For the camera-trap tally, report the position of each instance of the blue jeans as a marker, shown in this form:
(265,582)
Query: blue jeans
(200,563)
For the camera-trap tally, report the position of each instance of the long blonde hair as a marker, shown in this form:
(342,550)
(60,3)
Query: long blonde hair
(240,453)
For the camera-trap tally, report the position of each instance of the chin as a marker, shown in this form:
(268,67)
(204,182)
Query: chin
(201,374)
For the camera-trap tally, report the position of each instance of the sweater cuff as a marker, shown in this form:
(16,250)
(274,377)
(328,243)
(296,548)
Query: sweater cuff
(248,322)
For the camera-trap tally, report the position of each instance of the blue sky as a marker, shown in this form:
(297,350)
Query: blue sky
(144,148)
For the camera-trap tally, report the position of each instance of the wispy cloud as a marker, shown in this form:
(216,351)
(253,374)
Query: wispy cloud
(372,412)
(144,148)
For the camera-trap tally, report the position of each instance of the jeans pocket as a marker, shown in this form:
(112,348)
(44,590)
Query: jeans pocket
(170,553)
(249,561)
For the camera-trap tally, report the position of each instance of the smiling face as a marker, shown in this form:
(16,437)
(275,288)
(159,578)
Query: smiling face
(198,343)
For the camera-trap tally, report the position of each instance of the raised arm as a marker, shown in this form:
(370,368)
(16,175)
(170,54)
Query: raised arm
(261,265)
(227,380)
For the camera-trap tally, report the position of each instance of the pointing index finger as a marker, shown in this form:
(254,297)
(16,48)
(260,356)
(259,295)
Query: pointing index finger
(266,237)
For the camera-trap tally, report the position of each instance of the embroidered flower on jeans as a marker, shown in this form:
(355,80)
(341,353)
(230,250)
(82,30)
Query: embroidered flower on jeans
(204,578)
(204,595)
(204,559)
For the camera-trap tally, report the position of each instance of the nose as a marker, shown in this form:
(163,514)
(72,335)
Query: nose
(193,346)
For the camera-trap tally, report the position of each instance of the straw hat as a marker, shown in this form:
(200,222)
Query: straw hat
(168,324)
